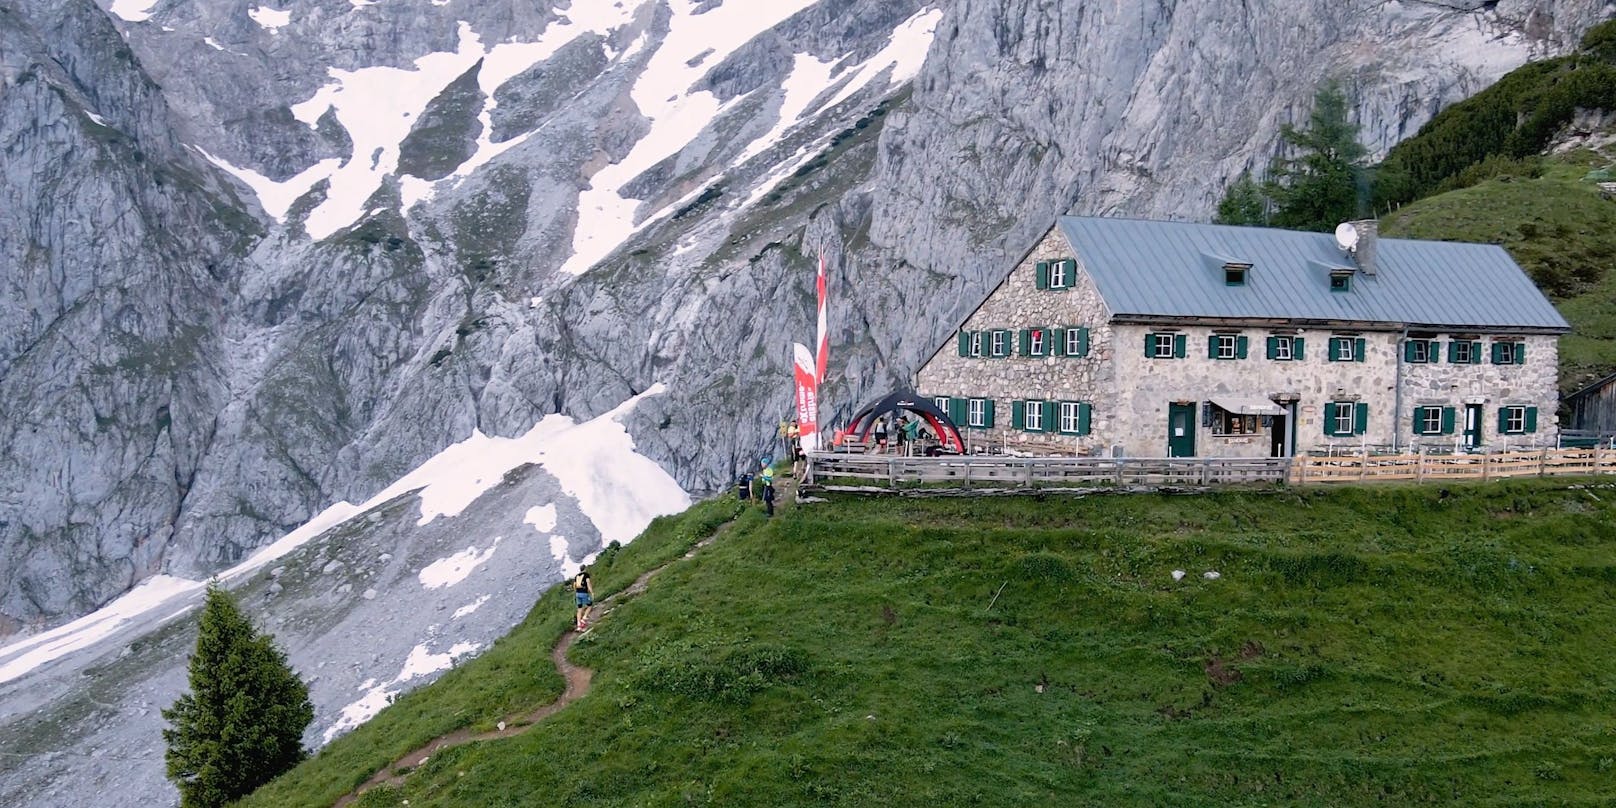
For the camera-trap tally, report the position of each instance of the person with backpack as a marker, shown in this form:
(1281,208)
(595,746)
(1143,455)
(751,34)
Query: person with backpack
(584,591)
(768,497)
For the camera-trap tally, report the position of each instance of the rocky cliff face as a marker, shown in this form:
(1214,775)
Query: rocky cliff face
(264,258)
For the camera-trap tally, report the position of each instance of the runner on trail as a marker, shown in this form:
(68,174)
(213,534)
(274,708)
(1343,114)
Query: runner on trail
(582,588)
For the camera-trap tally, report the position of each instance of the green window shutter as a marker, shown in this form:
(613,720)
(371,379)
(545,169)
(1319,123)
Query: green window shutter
(1531,419)
(1085,414)
(1475,353)
(1329,419)
(1418,420)
(1503,420)
(956,410)
(1520,353)
(1498,353)
(1179,344)
(1296,348)
(1150,345)
(1447,420)
(1273,347)
(1242,346)
(1043,274)
(1360,419)
(987,413)
(1359,350)
(1024,337)
(1453,351)
(964,343)
(1212,347)
(1057,342)
(1017,415)
(1408,351)
(1051,413)
(1331,354)
(1083,341)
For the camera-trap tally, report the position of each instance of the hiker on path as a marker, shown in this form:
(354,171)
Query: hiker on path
(582,588)
(768,497)
(743,487)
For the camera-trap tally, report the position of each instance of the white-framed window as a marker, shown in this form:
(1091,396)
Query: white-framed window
(1343,417)
(976,343)
(1419,351)
(1001,342)
(1228,344)
(1284,348)
(1461,352)
(1509,353)
(1036,339)
(976,412)
(1074,342)
(941,402)
(1513,420)
(1428,420)
(1032,416)
(1341,349)
(1164,346)
(1058,275)
(1071,417)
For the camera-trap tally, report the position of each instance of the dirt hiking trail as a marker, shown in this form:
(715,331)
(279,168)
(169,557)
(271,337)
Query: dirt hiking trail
(578,682)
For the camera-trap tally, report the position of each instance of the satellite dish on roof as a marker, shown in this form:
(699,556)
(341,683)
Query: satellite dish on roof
(1347,236)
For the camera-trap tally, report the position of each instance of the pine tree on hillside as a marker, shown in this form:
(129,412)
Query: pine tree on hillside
(242,723)
(1243,203)
(1325,183)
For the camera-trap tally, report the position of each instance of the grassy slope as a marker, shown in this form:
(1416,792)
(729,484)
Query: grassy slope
(1442,645)
(1553,224)
(513,675)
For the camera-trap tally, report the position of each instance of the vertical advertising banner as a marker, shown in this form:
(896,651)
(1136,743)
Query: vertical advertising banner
(807,396)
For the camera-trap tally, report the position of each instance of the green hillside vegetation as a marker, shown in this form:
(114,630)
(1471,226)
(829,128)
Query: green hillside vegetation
(1556,225)
(1515,118)
(1406,646)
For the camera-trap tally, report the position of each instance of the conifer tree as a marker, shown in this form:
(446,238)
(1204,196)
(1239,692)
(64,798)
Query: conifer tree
(242,722)
(1325,182)
(1243,203)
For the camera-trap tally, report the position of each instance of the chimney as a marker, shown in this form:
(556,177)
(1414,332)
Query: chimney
(1364,252)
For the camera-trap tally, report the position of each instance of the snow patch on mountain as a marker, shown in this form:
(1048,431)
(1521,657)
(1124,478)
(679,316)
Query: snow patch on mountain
(132,10)
(276,198)
(454,569)
(595,462)
(662,93)
(543,518)
(420,662)
(469,608)
(25,655)
(270,18)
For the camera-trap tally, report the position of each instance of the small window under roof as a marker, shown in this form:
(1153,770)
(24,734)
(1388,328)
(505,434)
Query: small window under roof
(1235,274)
(1341,280)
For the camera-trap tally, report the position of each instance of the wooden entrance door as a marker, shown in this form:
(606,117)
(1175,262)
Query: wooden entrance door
(1181,430)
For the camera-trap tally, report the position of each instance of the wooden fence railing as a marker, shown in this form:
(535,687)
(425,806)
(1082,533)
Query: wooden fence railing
(967,471)
(1428,467)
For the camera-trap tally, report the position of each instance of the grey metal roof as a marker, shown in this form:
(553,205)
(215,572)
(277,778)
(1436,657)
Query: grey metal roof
(1173,269)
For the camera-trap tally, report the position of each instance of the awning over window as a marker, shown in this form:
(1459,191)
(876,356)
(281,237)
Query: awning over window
(1241,405)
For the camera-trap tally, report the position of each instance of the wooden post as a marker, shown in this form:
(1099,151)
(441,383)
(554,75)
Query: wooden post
(1363,466)
(1419,473)
(1206,470)
(1484,469)
(1597,458)
(1543,463)
(892,473)
(1029,464)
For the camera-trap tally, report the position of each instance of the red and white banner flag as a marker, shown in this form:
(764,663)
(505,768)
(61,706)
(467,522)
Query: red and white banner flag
(807,397)
(822,356)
